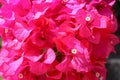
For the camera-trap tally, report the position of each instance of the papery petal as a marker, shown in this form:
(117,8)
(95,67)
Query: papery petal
(39,68)
(54,74)
(64,65)
(84,32)
(95,38)
(34,58)
(50,56)
(20,32)
(14,66)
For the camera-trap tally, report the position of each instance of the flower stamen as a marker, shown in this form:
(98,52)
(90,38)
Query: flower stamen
(88,18)
(65,0)
(6,31)
(111,42)
(111,16)
(97,74)
(20,76)
(101,78)
(74,51)
(93,37)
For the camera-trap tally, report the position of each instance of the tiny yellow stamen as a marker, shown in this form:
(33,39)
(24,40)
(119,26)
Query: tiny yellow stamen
(65,0)
(20,76)
(91,28)
(6,30)
(111,42)
(111,16)
(74,51)
(46,75)
(93,37)
(88,18)
(97,74)
(101,78)
(105,5)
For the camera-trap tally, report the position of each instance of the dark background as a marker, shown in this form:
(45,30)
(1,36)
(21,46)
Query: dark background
(113,62)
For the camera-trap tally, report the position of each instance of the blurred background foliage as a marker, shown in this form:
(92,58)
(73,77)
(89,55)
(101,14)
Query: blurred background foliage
(113,62)
(116,9)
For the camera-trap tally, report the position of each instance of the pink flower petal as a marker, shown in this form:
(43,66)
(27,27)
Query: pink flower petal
(50,56)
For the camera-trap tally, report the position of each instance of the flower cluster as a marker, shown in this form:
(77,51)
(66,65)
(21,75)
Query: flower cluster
(56,39)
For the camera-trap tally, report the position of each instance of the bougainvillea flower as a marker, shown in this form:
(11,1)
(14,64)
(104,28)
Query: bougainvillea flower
(19,7)
(99,74)
(3,56)
(78,55)
(21,33)
(3,10)
(44,60)
(106,46)
(102,7)
(22,73)
(56,39)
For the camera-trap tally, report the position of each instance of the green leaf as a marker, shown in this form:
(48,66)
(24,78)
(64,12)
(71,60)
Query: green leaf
(1,78)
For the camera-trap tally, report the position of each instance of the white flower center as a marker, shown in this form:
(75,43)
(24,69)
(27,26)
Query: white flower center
(65,0)
(88,17)
(97,74)
(20,76)
(111,42)
(74,51)
(6,30)
(101,78)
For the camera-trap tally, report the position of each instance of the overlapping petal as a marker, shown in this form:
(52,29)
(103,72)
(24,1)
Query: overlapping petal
(56,39)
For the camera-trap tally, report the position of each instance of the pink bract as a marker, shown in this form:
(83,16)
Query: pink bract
(56,39)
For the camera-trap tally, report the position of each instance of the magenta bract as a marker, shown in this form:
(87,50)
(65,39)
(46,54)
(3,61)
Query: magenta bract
(56,39)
